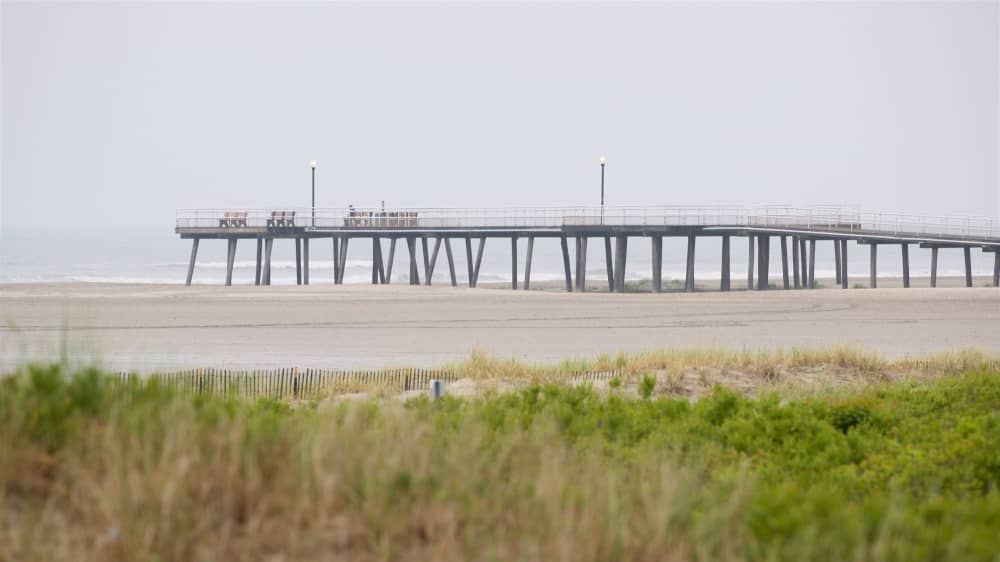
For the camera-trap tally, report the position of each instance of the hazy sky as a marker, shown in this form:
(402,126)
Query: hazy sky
(125,112)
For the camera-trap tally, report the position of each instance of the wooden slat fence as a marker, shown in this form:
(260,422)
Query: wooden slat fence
(309,384)
(287,383)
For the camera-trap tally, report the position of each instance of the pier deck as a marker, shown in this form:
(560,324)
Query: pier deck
(613,226)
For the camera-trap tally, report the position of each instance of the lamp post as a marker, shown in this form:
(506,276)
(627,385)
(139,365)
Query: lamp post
(604,162)
(313,166)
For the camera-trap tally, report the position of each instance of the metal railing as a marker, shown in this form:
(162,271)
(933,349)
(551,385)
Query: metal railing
(840,219)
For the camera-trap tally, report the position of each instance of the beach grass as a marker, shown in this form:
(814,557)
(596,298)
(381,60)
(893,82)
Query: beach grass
(892,470)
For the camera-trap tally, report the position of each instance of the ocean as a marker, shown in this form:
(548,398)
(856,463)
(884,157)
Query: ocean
(155,254)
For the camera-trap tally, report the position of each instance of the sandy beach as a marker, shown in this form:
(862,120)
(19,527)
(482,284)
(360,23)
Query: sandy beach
(146,327)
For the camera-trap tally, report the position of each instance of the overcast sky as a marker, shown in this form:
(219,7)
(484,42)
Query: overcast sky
(123,113)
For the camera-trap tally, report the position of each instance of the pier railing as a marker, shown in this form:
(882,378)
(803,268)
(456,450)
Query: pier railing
(845,219)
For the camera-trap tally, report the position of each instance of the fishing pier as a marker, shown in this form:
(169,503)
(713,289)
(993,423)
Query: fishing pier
(795,231)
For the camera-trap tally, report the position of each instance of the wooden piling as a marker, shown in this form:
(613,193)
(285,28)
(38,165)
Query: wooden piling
(836,260)
(513,263)
(784,262)
(873,266)
(843,263)
(392,258)
(305,261)
(762,265)
(795,261)
(527,262)
(804,255)
(335,242)
(812,263)
(609,264)
(230,259)
(725,283)
(566,268)
(194,255)
(268,244)
(996,267)
(260,252)
(934,252)
(468,261)
(621,251)
(379,262)
(968,265)
(298,261)
(479,260)
(343,257)
(434,257)
(427,259)
(376,245)
(581,263)
(905,248)
(411,245)
(451,261)
(689,270)
(657,258)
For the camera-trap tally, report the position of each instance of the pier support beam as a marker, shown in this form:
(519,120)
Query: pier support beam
(996,267)
(581,263)
(795,260)
(784,261)
(468,261)
(376,259)
(724,284)
(750,263)
(434,257)
(763,254)
(527,262)
(873,266)
(804,262)
(565,255)
(427,260)
(689,270)
(657,244)
(812,264)
(843,263)
(905,249)
(343,258)
(836,261)
(609,265)
(260,252)
(268,244)
(451,261)
(305,261)
(194,256)
(336,259)
(230,259)
(298,260)
(934,252)
(621,250)
(479,260)
(968,265)
(392,258)
(411,246)
(513,263)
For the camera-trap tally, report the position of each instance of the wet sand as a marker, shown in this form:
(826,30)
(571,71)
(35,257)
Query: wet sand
(145,327)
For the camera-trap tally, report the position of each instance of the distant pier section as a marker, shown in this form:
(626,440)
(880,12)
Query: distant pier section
(795,231)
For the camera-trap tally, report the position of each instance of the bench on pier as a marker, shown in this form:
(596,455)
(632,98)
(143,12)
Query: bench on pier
(281,219)
(233,219)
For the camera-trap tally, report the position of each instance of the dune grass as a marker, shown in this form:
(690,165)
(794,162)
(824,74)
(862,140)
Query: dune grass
(905,470)
(483,364)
